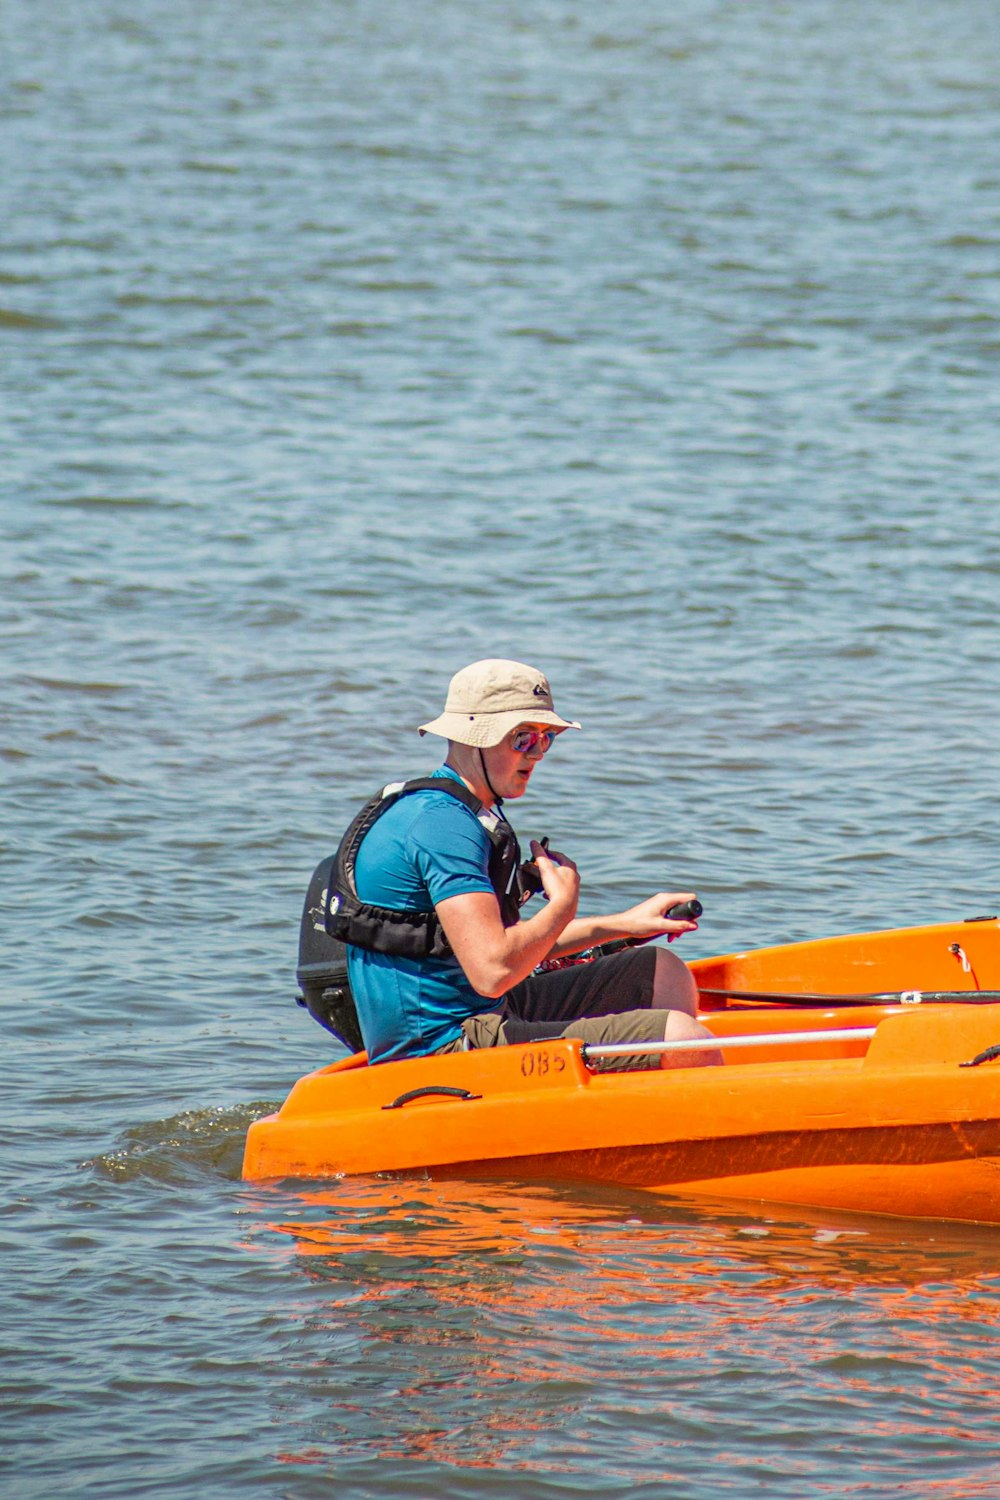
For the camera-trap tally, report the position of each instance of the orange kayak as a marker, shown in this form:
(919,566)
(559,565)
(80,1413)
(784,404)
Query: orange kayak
(859,1074)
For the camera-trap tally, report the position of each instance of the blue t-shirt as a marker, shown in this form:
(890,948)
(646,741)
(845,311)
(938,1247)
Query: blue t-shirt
(429,846)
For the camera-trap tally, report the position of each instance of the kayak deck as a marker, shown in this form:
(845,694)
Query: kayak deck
(960,956)
(888,1122)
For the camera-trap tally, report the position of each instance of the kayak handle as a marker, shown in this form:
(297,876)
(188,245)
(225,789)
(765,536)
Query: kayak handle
(430,1088)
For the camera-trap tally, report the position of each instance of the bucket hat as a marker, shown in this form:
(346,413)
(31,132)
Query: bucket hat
(489,698)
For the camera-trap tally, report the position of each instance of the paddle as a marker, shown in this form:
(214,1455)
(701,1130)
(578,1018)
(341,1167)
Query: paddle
(883,997)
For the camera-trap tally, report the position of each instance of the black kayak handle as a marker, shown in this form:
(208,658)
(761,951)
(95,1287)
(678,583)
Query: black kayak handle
(430,1088)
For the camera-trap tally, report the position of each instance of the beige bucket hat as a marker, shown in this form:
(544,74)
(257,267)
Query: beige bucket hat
(489,698)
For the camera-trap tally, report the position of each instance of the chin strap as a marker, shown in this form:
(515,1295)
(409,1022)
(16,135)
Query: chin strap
(498,801)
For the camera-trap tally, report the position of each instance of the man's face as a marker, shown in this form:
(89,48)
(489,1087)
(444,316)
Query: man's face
(511,763)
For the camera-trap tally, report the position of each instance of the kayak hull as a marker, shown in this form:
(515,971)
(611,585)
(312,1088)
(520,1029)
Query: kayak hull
(847,1171)
(888,1123)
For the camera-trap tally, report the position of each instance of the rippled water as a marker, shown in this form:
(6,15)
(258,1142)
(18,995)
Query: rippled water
(342,344)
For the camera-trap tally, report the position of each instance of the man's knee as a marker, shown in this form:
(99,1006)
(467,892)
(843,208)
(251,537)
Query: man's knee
(673,984)
(680,1027)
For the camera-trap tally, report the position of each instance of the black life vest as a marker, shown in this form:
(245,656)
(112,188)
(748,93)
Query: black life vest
(333,915)
(413,934)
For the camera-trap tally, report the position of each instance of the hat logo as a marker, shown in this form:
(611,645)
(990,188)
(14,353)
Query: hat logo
(538,690)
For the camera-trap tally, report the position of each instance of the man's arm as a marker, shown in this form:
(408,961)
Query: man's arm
(495,957)
(643,921)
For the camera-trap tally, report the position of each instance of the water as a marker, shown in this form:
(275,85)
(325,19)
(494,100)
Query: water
(343,344)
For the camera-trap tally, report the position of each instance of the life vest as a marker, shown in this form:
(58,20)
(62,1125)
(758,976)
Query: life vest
(333,915)
(413,934)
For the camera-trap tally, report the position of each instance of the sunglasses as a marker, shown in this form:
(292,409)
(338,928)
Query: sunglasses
(525,740)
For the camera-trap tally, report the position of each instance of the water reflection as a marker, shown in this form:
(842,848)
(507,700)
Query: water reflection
(436,1220)
(513,1325)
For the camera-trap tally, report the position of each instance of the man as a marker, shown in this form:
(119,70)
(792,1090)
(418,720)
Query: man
(440,860)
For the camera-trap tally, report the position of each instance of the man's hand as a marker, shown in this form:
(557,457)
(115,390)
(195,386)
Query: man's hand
(560,879)
(648,919)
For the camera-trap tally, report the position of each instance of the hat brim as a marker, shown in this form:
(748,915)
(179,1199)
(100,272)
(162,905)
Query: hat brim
(486,730)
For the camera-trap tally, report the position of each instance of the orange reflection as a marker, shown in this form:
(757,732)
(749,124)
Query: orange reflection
(495,1294)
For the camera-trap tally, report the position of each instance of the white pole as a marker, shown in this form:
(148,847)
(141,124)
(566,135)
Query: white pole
(716,1043)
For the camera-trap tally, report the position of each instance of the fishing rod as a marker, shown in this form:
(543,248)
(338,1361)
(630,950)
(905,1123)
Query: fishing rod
(879,997)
